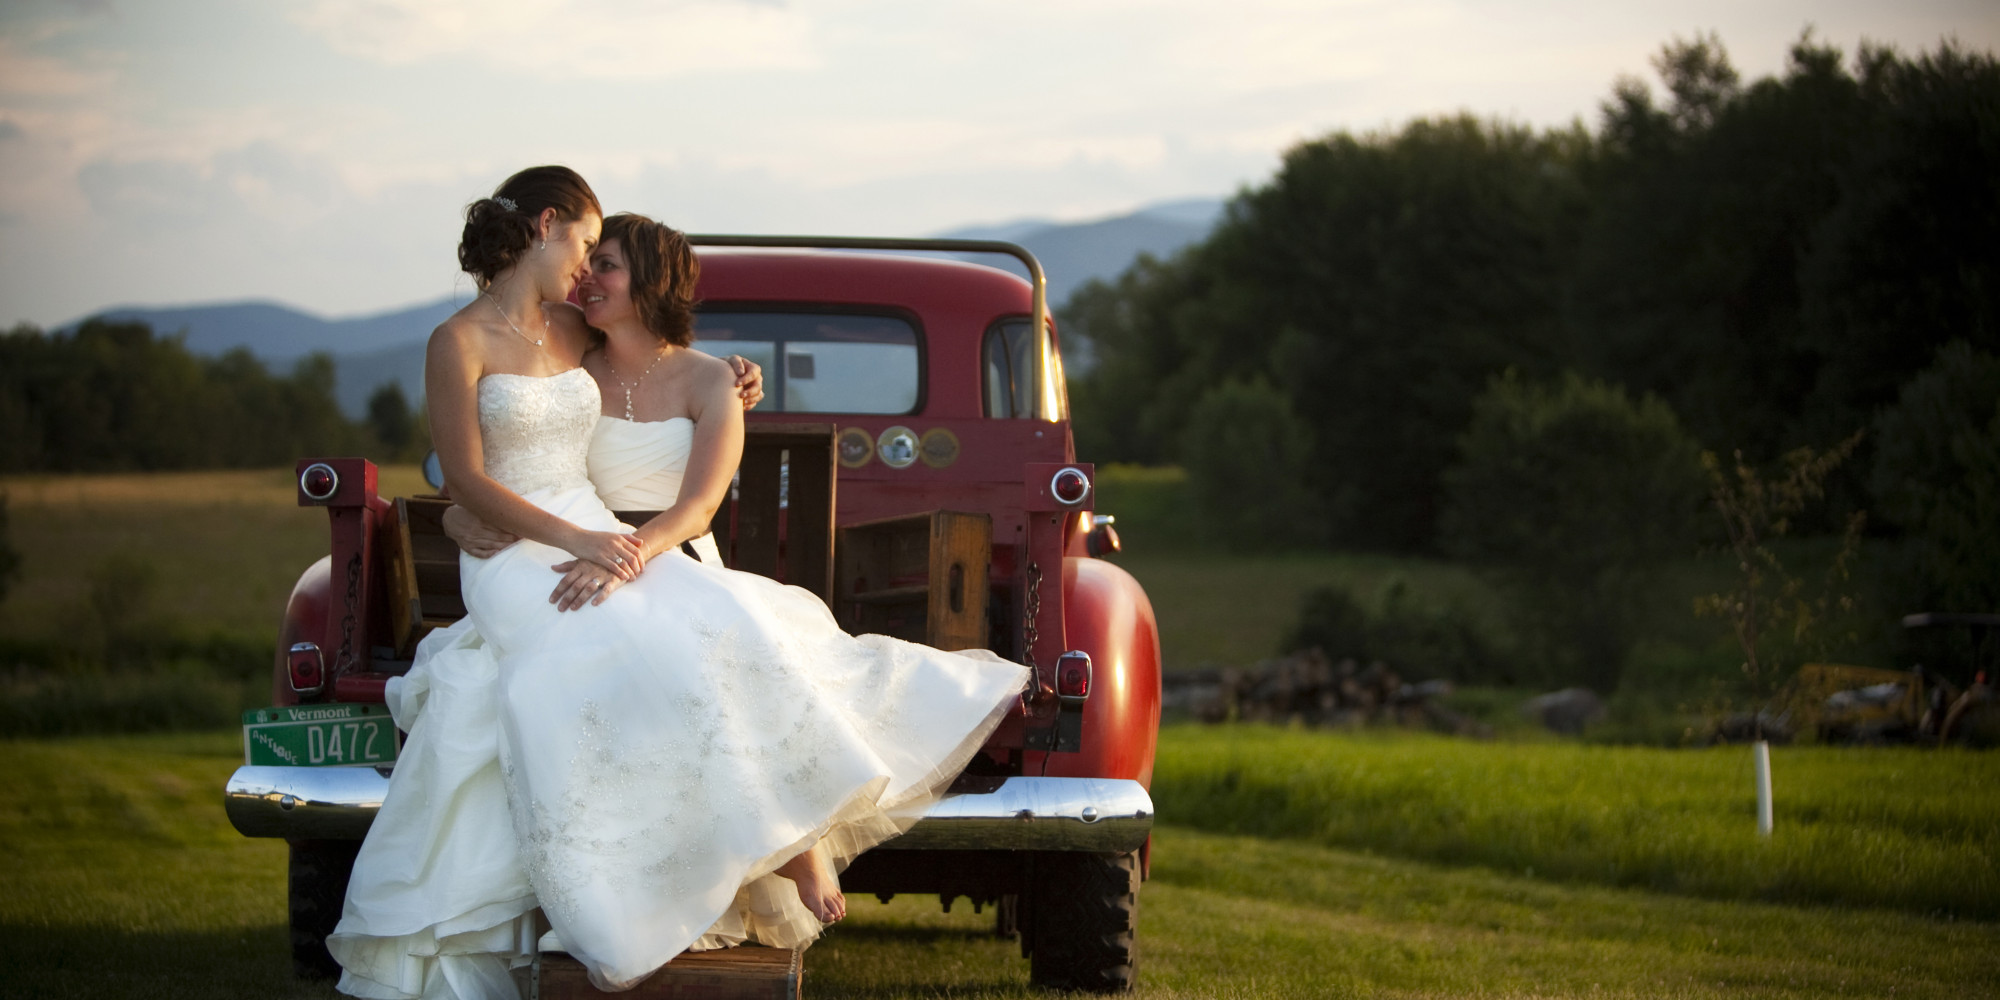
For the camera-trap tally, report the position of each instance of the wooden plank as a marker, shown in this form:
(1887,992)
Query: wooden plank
(406,608)
(756,537)
(422,573)
(812,460)
(961,550)
(748,972)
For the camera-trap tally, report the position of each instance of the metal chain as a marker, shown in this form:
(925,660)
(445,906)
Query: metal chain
(1034,610)
(346,654)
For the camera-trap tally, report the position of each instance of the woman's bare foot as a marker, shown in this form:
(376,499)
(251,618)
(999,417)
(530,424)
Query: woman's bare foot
(819,889)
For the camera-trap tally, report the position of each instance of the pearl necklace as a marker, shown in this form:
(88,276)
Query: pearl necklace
(629,386)
(510,321)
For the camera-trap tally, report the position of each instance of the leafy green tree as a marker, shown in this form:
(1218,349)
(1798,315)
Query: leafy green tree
(1937,477)
(1246,455)
(1572,495)
(112,397)
(1377,282)
(10,557)
(390,419)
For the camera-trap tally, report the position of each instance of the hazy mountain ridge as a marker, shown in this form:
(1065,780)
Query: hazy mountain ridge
(381,347)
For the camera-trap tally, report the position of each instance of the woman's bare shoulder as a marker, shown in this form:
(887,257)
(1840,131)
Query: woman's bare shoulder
(705,372)
(458,334)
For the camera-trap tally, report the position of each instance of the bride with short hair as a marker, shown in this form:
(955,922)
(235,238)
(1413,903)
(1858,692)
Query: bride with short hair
(661,754)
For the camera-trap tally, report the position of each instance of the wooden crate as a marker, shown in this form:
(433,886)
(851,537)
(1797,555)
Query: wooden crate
(921,577)
(422,572)
(748,972)
(748,528)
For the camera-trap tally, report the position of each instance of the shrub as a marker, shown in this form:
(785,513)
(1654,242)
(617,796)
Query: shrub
(1572,496)
(1419,640)
(1246,455)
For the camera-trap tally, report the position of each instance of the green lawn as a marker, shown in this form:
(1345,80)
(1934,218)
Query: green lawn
(124,880)
(1913,829)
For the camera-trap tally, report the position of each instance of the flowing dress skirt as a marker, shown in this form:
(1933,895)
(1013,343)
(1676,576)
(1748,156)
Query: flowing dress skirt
(638,769)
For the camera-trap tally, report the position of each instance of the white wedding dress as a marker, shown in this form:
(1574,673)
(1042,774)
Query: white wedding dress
(637,769)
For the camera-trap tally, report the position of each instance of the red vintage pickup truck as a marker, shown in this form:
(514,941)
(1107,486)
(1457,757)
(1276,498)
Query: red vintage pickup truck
(912,463)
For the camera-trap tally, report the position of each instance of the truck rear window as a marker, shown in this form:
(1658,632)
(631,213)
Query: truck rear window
(822,362)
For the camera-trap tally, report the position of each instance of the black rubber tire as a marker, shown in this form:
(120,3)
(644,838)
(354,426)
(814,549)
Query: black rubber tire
(1084,922)
(316,884)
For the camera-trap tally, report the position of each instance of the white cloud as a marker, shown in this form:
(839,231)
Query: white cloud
(554,40)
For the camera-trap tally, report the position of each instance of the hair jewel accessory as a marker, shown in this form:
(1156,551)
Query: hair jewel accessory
(507,203)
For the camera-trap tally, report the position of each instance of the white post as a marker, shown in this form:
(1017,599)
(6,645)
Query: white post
(1762,753)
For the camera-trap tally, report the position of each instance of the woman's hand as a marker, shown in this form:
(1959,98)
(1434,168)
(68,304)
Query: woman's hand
(620,553)
(476,537)
(582,581)
(749,380)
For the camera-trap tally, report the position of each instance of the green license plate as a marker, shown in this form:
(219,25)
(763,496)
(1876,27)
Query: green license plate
(320,735)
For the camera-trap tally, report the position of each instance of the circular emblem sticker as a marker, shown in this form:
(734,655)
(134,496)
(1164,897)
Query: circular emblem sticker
(939,447)
(897,447)
(857,448)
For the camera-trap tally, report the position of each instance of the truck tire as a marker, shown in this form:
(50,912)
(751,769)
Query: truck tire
(317,886)
(1084,921)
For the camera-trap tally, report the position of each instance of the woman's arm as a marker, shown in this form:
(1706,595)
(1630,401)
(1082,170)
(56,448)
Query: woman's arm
(452,367)
(476,537)
(718,450)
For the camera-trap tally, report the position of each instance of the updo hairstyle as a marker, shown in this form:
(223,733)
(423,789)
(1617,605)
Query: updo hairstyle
(496,234)
(663,270)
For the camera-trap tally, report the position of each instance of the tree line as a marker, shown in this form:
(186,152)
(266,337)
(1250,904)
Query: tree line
(116,397)
(1406,340)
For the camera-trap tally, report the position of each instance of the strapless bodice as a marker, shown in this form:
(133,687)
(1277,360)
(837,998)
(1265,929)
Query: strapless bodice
(639,465)
(535,431)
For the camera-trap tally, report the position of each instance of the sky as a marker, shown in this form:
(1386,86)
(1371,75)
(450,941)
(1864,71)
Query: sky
(320,153)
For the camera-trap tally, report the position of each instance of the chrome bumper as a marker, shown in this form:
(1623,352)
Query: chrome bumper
(1019,814)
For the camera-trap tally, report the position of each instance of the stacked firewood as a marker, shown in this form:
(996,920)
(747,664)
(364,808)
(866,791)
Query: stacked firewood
(1311,689)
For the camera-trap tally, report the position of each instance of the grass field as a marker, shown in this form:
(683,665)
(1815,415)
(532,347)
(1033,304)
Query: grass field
(123,880)
(220,549)
(1910,829)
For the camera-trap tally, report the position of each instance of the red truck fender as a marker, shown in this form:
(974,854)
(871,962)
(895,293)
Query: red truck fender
(1106,614)
(304,621)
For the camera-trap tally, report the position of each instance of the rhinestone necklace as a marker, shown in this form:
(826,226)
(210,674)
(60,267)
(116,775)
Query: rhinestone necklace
(629,386)
(510,321)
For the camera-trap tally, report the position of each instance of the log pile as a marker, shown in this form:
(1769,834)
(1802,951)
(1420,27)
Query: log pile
(1307,687)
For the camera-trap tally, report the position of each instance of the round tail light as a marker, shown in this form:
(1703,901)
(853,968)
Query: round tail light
(1070,486)
(319,481)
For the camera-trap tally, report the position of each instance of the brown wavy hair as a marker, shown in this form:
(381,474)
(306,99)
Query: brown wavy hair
(496,236)
(664,270)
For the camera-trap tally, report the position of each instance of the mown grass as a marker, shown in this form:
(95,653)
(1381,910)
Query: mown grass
(124,881)
(1906,829)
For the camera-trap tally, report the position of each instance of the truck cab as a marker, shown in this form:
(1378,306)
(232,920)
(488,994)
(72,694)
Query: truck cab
(912,464)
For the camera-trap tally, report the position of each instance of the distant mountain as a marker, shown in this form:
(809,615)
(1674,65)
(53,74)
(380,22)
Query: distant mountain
(367,350)
(1074,253)
(371,350)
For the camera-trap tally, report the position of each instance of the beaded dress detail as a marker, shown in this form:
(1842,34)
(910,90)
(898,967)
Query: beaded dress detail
(638,769)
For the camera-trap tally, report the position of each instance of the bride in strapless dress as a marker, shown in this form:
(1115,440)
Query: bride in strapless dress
(682,760)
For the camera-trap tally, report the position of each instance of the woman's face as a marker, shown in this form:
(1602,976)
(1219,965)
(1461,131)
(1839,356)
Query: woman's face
(572,243)
(606,291)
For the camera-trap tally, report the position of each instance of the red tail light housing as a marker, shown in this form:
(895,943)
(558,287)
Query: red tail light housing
(1073,675)
(306,668)
(1070,486)
(319,481)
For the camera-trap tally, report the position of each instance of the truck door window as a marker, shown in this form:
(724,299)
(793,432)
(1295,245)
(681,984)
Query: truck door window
(821,362)
(1016,385)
